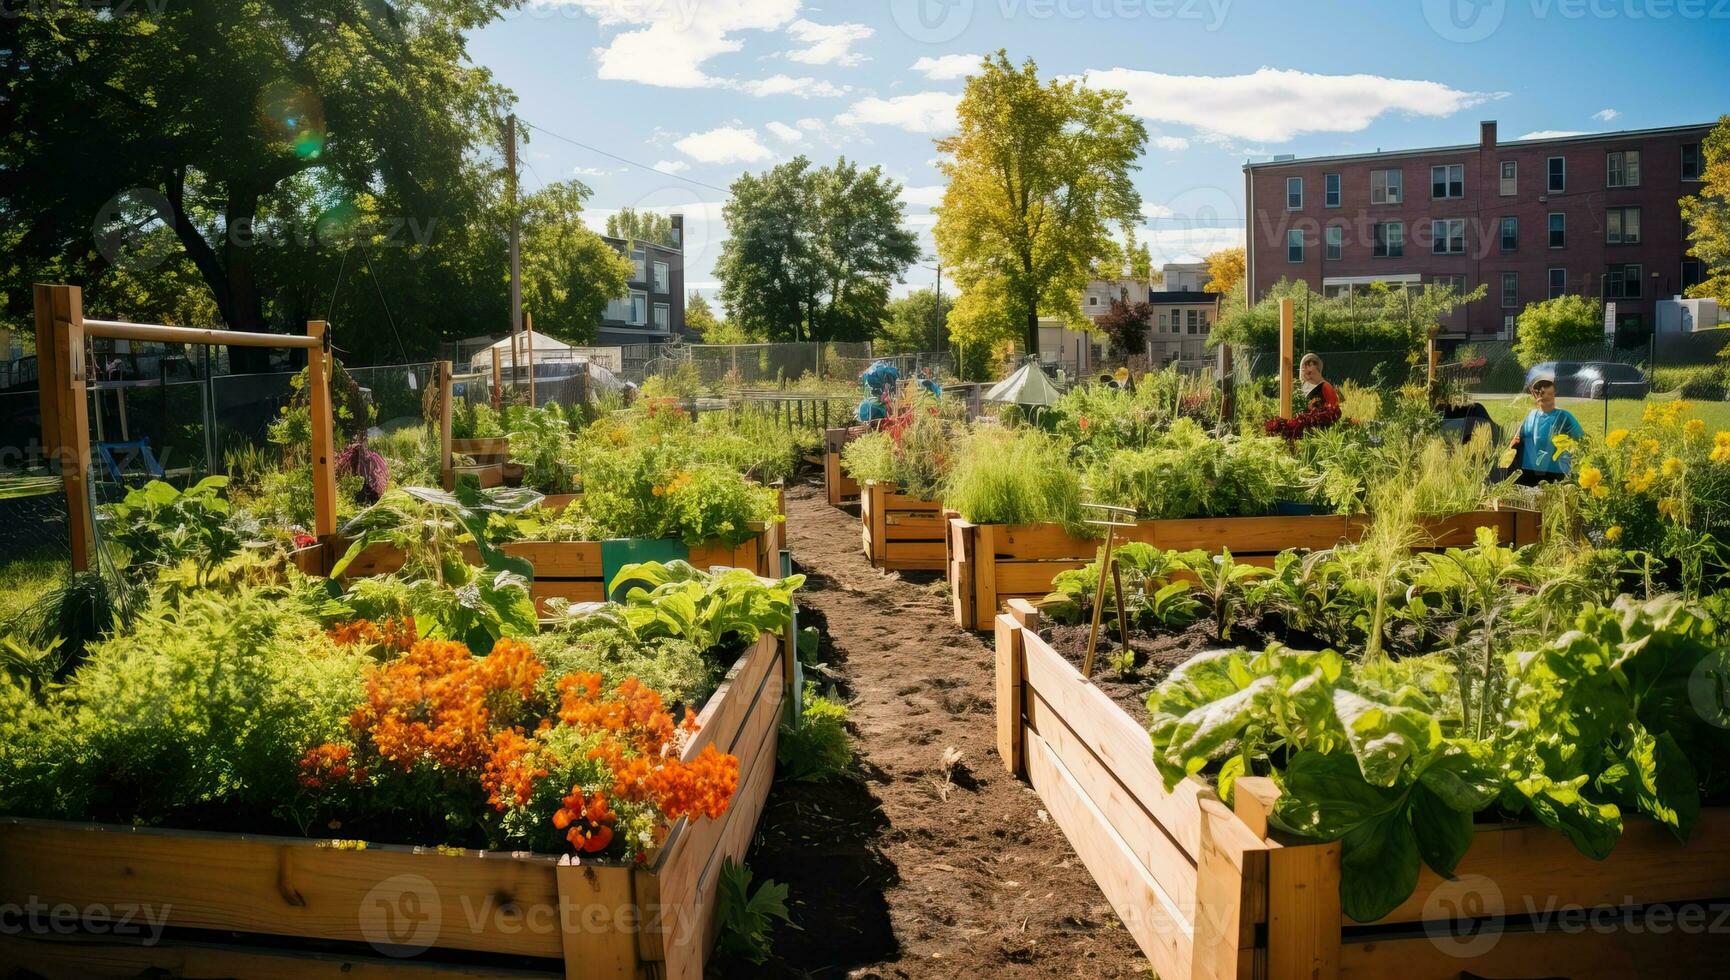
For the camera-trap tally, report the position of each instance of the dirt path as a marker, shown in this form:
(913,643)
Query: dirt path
(907,871)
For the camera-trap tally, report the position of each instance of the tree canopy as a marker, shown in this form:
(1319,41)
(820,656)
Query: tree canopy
(641,226)
(1225,269)
(569,272)
(1039,177)
(1707,215)
(700,316)
(812,252)
(1378,317)
(1547,330)
(913,324)
(305,159)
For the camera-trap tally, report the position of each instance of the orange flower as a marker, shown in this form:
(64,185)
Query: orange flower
(392,633)
(517,762)
(326,765)
(587,823)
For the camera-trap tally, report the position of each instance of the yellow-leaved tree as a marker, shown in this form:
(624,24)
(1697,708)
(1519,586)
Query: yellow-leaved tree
(1707,215)
(1039,178)
(1225,269)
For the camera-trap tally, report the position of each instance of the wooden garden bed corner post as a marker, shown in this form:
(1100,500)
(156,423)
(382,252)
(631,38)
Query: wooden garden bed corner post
(1302,895)
(447,476)
(1011,684)
(65,408)
(318,374)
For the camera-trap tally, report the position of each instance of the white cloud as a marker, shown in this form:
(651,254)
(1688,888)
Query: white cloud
(1156,211)
(947,67)
(827,44)
(588,172)
(1277,104)
(926,220)
(1170,143)
(726,144)
(784,132)
(1186,244)
(1552,134)
(804,88)
(928,196)
(672,166)
(1605,115)
(922,112)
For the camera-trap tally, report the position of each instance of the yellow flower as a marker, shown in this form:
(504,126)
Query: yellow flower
(1696,426)
(1591,476)
(1669,506)
(1614,534)
(1672,466)
(1721,453)
(1642,481)
(1600,491)
(1615,438)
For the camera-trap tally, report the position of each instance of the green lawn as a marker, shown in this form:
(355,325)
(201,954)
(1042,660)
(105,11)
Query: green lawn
(1624,414)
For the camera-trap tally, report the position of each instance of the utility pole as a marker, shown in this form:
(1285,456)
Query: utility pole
(515,243)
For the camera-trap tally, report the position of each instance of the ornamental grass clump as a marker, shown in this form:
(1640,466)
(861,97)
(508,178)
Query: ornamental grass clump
(1014,476)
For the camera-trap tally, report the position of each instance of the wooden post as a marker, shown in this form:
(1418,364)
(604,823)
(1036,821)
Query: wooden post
(529,335)
(498,391)
(318,374)
(1011,658)
(1285,357)
(65,409)
(447,476)
(1227,385)
(1434,360)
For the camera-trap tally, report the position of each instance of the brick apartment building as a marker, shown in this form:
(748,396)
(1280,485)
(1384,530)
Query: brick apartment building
(1595,215)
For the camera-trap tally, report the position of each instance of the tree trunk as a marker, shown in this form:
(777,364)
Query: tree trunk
(246,312)
(1032,330)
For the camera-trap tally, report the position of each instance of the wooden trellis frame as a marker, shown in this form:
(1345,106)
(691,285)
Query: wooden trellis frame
(61,335)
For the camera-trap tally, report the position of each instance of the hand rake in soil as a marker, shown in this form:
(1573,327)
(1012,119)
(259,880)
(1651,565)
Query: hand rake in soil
(1111,518)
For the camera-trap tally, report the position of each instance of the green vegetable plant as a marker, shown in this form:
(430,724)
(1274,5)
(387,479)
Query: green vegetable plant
(817,748)
(747,917)
(1226,587)
(161,526)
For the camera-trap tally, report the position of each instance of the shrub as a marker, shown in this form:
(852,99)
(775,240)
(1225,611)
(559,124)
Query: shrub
(818,748)
(1549,328)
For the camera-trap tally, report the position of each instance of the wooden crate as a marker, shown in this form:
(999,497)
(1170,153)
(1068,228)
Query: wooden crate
(523,913)
(836,483)
(1209,892)
(900,532)
(989,564)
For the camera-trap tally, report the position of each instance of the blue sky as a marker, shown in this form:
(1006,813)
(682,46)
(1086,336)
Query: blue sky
(706,89)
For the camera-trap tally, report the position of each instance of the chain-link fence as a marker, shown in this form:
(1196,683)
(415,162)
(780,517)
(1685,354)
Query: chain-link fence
(757,366)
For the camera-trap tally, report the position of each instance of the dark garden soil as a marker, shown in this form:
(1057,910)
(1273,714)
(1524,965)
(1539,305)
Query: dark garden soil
(915,869)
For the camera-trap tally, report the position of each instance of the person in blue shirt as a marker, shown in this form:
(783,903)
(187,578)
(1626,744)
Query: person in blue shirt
(1536,441)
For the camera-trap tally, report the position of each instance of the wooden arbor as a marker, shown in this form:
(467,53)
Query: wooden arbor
(61,333)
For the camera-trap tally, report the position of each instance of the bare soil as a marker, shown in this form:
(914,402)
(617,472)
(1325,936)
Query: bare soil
(912,869)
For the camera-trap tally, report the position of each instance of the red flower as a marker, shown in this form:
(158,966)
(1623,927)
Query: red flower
(1082,421)
(587,823)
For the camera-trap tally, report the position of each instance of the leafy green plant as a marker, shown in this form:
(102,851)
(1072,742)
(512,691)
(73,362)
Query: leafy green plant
(705,607)
(1227,588)
(1187,473)
(161,526)
(818,748)
(540,443)
(746,916)
(1151,596)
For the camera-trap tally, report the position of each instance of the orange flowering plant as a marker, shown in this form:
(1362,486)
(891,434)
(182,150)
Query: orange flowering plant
(449,745)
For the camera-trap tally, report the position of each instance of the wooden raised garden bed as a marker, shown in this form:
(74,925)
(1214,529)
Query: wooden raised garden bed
(239,905)
(1209,892)
(492,465)
(900,532)
(837,484)
(989,564)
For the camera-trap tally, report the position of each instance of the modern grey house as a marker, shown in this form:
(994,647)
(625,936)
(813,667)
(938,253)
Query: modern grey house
(653,312)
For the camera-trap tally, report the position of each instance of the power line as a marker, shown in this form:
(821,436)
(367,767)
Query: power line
(624,160)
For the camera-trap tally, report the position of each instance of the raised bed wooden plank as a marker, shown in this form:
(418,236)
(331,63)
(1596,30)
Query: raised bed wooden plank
(723,716)
(1150,915)
(1620,953)
(96,958)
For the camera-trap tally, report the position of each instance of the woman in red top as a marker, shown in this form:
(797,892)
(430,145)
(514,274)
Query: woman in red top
(1317,390)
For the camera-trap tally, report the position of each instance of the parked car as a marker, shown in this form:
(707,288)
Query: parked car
(1592,379)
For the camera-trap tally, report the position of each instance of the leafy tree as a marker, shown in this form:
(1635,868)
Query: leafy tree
(271,139)
(812,252)
(1226,269)
(700,317)
(1375,318)
(1548,329)
(1039,174)
(914,324)
(569,272)
(1707,215)
(1126,323)
(641,226)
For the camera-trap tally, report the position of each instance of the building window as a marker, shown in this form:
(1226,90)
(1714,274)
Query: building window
(1454,284)
(1558,175)
(1510,325)
(1622,226)
(1390,239)
(1693,273)
(1691,161)
(1510,234)
(639,308)
(638,259)
(1294,245)
(619,310)
(1510,178)
(1448,181)
(1622,168)
(1448,236)
(1336,242)
(1558,229)
(1331,190)
(1510,290)
(1387,186)
(663,281)
(1558,282)
(1093,301)
(1622,281)
(1294,193)
(663,316)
